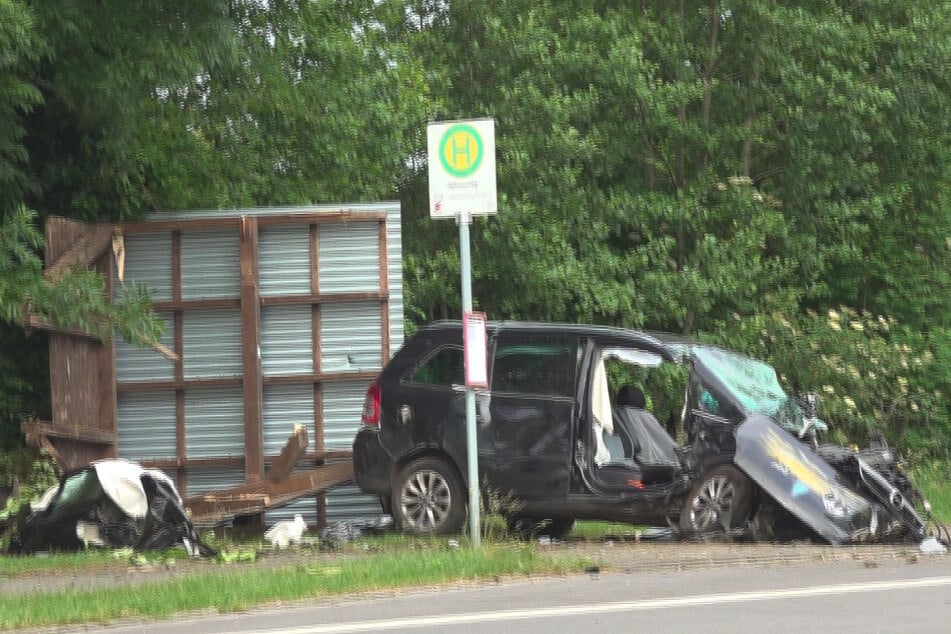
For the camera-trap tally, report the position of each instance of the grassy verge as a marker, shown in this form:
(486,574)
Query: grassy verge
(240,587)
(59,563)
(934,480)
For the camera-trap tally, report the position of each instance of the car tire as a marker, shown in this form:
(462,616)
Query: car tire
(723,489)
(429,498)
(529,527)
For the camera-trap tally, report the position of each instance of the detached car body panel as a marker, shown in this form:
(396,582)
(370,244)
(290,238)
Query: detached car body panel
(803,483)
(112,503)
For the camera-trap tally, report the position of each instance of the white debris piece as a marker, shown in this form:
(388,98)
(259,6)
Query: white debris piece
(88,532)
(931,546)
(286,532)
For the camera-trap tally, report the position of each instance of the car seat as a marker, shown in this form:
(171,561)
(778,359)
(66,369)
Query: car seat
(656,451)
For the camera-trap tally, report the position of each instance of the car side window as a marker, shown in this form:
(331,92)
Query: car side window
(708,402)
(445,367)
(542,365)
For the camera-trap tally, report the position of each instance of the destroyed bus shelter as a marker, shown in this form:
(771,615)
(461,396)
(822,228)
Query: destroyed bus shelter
(275,317)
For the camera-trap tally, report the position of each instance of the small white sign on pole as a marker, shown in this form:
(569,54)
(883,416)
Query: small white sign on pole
(461,168)
(474,341)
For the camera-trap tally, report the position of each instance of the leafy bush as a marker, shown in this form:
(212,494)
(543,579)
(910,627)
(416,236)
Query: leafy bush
(30,473)
(870,371)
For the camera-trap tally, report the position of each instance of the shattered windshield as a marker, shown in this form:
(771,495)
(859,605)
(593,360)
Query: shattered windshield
(753,383)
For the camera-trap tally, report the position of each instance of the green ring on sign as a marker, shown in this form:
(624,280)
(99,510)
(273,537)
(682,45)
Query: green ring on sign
(471,166)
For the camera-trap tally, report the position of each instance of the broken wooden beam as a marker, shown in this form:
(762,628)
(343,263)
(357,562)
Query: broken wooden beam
(292,452)
(247,499)
(35,429)
(83,252)
(33,320)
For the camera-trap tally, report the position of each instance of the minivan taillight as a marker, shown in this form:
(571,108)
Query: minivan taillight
(371,406)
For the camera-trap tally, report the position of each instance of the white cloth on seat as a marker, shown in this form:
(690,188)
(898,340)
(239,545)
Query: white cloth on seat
(603,420)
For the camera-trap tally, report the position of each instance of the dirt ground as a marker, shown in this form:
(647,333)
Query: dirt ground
(606,555)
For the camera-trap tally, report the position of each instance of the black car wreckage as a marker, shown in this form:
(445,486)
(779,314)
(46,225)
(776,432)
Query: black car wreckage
(109,503)
(565,432)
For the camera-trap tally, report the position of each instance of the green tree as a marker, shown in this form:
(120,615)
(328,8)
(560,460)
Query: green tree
(714,168)
(110,110)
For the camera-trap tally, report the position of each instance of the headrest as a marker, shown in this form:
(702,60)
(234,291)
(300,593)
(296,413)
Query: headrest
(630,396)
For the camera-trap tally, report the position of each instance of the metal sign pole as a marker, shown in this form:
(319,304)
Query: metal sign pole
(472,450)
(461,157)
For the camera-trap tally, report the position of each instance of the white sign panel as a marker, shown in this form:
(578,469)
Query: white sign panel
(461,168)
(474,347)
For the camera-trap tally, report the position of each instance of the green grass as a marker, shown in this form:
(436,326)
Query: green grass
(14,566)
(240,587)
(934,480)
(591,530)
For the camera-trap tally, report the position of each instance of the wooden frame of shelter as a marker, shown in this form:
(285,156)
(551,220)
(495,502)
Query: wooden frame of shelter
(83,376)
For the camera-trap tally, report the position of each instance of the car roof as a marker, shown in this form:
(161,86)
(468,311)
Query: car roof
(648,341)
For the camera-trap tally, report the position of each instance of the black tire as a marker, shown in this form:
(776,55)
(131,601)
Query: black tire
(429,498)
(722,490)
(529,528)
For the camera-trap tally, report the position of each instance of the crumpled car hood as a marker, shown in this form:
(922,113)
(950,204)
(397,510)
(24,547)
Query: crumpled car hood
(802,482)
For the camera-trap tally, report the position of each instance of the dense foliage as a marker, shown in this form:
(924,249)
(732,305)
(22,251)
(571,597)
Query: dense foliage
(774,176)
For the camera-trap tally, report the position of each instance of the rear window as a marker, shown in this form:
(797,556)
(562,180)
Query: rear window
(443,367)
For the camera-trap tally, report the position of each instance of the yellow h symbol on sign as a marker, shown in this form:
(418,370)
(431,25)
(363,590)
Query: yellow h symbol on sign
(461,150)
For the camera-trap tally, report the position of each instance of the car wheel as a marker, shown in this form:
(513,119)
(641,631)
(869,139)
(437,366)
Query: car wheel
(723,498)
(429,498)
(529,528)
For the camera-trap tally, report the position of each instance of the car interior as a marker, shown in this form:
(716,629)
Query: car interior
(631,447)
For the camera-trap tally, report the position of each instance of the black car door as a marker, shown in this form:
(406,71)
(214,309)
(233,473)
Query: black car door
(526,423)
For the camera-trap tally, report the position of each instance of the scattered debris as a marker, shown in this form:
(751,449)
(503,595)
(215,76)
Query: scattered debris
(931,546)
(111,503)
(353,529)
(280,486)
(286,532)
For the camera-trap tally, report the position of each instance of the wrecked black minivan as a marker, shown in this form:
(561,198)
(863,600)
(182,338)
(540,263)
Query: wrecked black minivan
(579,422)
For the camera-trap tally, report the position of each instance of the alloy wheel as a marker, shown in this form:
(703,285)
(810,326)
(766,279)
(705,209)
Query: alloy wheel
(425,500)
(713,504)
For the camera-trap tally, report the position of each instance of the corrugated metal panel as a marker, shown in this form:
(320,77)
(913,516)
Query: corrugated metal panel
(148,260)
(285,405)
(343,503)
(349,260)
(394,264)
(342,408)
(349,502)
(145,364)
(211,341)
(146,425)
(284,260)
(305,506)
(349,257)
(350,337)
(203,479)
(211,264)
(287,340)
(214,422)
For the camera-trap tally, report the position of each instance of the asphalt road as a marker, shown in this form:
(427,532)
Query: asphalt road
(904,595)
